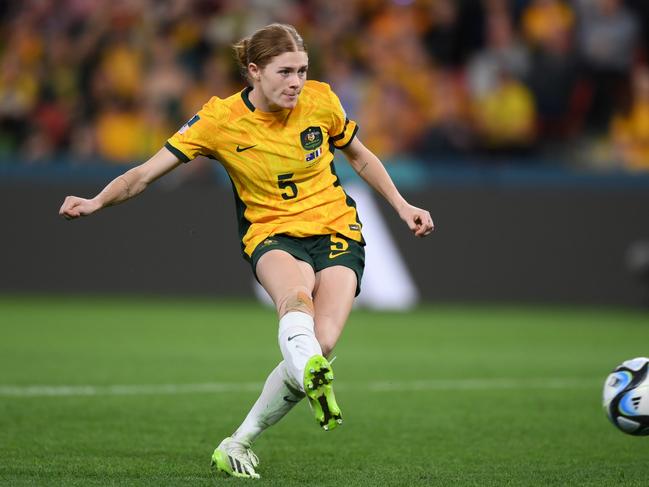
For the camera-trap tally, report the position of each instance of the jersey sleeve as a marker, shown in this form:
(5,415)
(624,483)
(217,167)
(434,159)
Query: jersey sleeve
(342,130)
(198,137)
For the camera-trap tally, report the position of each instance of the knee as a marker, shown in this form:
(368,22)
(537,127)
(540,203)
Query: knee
(297,298)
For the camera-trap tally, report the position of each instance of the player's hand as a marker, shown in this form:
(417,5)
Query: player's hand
(418,220)
(74,207)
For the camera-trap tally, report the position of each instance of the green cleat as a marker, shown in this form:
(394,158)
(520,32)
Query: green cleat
(235,458)
(318,376)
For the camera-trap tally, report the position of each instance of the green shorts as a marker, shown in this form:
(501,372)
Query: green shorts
(320,252)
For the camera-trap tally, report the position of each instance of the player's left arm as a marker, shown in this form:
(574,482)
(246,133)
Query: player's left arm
(371,169)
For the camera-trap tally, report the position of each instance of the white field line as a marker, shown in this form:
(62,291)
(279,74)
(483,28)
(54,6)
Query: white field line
(226,387)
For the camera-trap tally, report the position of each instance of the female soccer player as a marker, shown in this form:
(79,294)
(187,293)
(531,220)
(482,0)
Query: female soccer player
(299,229)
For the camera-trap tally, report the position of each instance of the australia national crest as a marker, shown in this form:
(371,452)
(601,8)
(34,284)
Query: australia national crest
(311,138)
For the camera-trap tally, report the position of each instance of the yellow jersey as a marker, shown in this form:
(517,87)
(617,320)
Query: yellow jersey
(280,163)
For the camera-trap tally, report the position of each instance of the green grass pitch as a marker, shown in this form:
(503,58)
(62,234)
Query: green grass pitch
(117,391)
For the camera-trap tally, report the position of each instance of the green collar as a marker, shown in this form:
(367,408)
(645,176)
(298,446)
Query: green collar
(244,95)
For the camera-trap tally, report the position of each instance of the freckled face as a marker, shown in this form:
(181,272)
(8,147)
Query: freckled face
(278,84)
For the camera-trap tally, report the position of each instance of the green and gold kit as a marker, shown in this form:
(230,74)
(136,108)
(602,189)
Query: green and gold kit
(280,163)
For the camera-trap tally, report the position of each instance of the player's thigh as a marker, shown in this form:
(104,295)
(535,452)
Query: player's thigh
(334,293)
(280,273)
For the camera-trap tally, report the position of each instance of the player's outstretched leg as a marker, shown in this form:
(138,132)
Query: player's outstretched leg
(235,458)
(318,376)
(277,398)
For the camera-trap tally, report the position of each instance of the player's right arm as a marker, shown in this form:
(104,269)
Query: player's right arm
(123,187)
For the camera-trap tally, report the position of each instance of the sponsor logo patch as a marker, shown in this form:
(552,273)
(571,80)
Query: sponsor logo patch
(355,227)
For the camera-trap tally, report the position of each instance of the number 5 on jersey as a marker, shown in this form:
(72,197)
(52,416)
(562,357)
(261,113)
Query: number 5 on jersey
(284,182)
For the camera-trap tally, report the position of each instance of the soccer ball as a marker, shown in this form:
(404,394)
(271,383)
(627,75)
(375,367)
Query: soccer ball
(626,396)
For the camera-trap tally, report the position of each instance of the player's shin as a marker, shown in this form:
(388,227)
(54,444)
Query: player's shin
(277,398)
(298,344)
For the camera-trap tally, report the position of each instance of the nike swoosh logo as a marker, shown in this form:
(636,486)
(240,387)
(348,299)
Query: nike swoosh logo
(298,335)
(333,255)
(241,149)
(288,399)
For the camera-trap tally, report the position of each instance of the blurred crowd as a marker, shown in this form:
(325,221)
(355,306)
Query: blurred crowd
(437,80)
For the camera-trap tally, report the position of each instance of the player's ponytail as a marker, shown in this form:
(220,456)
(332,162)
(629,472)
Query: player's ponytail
(241,52)
(266,43)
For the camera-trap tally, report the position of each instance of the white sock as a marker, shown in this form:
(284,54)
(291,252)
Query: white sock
(298,344)
(275,401)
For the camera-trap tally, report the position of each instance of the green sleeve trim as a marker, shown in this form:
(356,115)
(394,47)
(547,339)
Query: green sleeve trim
(350,139)
(341,134)
(182,157)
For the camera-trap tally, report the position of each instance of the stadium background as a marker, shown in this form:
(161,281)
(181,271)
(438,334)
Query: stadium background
(522,125)
(130,342)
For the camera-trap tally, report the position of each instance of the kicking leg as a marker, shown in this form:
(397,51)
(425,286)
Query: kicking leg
(302,353)
(290,282)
